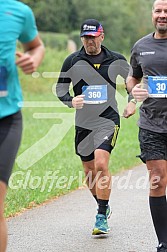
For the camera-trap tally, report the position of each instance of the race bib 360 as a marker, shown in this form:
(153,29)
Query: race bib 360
(95,94)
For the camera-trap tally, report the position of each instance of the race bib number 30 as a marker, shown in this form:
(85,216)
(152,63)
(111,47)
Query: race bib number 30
(157,86)
(95,94)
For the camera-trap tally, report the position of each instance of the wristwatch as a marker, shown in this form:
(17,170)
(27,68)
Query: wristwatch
(134,101)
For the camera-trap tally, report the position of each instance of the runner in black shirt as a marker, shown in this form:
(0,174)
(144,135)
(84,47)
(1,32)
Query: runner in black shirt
(93,71)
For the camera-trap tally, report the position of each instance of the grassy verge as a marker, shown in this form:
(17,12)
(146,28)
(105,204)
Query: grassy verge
(46,165)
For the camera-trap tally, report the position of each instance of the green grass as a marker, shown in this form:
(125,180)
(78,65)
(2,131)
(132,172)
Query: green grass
(27,185)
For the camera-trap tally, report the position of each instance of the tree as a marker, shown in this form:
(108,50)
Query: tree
(124,21)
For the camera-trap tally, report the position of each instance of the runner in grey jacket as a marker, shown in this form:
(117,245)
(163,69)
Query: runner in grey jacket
(149,66)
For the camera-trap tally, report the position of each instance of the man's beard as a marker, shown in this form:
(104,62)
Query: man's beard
(161,29)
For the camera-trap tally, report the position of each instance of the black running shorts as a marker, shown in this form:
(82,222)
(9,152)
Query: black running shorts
(153,145)
(10,137)
(87,141)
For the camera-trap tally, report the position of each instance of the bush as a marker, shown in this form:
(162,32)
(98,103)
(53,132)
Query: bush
(55,40)
(75,36)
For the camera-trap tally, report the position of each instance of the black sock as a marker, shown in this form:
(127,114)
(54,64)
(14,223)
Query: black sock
(158,207)
(103,204)
(95,196)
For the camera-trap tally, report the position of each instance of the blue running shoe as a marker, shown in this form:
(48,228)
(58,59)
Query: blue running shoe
(101,225)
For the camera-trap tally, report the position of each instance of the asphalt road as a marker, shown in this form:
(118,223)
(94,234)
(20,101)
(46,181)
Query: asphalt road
(65,224)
